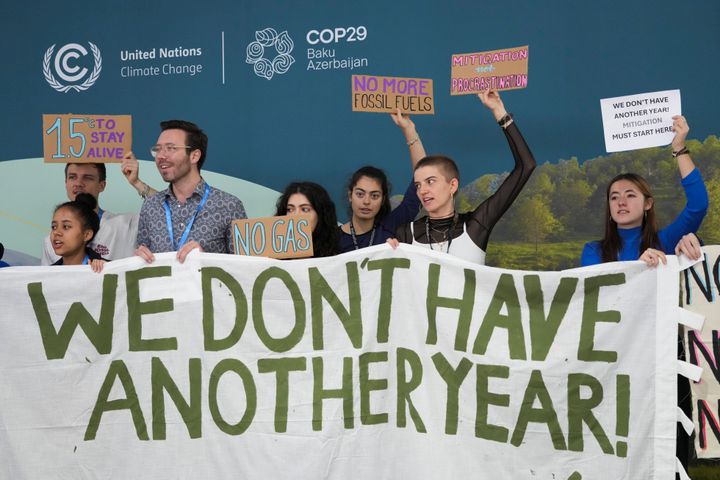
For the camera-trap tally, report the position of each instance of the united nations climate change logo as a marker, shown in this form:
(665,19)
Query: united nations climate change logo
(266,41)
(65,66)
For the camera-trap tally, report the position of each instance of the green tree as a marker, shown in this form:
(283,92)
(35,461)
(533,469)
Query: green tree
(534,221)
(710,229)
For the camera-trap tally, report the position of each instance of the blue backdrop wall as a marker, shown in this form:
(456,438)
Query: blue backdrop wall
(298,124)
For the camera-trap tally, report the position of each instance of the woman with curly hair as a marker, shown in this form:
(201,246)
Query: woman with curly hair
(310,199)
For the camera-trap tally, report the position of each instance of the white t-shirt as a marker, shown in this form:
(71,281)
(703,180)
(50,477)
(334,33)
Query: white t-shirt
(114,240)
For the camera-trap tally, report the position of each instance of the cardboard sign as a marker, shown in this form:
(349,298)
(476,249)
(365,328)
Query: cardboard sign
(287,236)
(639,121)
(371,93)
(505,69)
(86,138)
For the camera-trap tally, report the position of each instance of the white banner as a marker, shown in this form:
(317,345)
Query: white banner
(372,364)
(701,287)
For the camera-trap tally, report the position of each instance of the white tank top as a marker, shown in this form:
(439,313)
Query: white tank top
(461,247)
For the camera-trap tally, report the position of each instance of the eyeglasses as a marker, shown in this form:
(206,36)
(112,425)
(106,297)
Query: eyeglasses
(168,148)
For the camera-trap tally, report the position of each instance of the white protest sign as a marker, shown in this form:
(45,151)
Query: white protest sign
(378,363)
(639,121)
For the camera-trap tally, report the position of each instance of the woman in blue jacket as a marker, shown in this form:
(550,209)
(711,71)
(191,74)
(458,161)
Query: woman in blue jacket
(631,231)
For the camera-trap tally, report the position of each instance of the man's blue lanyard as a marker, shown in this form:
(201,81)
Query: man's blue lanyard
(86,260)
(186,233)
(100,213)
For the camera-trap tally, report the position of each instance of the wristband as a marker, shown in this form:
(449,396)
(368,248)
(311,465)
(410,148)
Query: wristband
(505,119)
(413,141)
(682,151)
(145,191)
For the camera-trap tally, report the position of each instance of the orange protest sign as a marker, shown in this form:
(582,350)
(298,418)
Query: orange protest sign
(371,93)
(86,138)
(505,69)
(288,236)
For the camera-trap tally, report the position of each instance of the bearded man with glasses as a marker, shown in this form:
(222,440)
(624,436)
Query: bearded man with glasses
(189,214)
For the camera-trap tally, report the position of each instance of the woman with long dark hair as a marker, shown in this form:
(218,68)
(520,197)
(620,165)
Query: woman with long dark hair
(631,230)
(372,220)
(311,199)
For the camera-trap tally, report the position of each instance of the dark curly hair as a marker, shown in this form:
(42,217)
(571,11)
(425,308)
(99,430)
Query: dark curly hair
(325,235)
(379,176)
(84,207)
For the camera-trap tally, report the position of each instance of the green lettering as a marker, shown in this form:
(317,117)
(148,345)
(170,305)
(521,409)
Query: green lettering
(213,344)
(236,366)
(544,329)
(485,398)
(387,268)
(580,411)
(464,305)
(320,393)
(351,318)
(591,316)
(368,385)
(278,344)
(99,333)
(117,370)
(190,412)
(505,295)
(453,377)
(545,414)
(282,368)
(136,309)
(406,386)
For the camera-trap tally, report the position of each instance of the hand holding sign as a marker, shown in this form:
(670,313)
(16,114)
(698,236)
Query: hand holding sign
(681,129)
(491,99)
(402,121)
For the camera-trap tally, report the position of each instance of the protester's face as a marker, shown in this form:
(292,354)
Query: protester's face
(174,163)
(435,191)
(67,234)
(83,178)
(298,204)
(366,198)
(627,204)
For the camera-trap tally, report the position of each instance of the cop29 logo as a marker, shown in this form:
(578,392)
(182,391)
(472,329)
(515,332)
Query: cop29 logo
(269,54)
(65,66)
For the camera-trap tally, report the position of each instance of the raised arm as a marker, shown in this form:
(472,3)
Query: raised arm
(131,169)
(696,206)
(417,151)
(487,214)
(680,151)
(410,205)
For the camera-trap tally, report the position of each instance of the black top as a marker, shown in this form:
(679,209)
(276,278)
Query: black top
(480,222)
(92,255)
